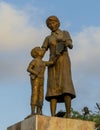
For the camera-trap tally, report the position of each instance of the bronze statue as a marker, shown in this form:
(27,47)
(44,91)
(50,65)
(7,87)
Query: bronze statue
(59,85)
(36,69)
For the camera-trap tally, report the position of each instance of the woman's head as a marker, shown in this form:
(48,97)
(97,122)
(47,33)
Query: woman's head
(53,23)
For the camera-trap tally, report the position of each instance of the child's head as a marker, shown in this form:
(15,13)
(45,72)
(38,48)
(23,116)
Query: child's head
(35,52)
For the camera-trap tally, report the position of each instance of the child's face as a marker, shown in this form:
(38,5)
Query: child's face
(40,52)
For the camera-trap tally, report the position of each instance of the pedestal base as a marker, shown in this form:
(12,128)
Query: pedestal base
(39,122)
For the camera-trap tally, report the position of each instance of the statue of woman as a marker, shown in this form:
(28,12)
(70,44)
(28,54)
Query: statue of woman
(59,86)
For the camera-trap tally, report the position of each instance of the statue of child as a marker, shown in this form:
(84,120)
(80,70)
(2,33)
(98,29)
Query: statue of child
(36,69)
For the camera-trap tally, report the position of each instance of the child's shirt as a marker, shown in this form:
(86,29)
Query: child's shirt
(38,66)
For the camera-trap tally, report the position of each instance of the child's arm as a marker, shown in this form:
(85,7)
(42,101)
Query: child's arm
(30,68)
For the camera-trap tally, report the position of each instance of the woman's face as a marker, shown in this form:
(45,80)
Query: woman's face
(53,25)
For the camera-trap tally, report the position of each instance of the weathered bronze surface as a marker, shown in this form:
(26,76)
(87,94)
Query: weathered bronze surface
(36,69)
(59,85)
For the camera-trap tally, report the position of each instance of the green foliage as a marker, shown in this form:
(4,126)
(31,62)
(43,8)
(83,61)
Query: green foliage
(89,116)
(86,115)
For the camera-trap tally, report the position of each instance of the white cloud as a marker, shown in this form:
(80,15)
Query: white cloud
(17,37)
(86,65)
(85,55)
(15,30)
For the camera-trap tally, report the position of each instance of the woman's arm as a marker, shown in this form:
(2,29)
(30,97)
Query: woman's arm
(68,40)
(45,45)
(48,63)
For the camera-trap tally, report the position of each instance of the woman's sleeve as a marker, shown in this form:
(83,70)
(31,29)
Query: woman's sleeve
(45,44)
(68,40)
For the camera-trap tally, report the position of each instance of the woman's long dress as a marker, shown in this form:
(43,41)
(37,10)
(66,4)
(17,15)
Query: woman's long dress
(59,75)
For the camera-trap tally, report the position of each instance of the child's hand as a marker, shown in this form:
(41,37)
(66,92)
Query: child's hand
(51,62)
(32,76)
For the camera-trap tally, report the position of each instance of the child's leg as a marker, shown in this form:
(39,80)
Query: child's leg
(34,95)
(40,96)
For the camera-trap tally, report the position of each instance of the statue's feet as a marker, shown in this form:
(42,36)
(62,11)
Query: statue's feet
(68,116)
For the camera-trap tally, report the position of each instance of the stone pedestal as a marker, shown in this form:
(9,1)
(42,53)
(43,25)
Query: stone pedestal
(39,122)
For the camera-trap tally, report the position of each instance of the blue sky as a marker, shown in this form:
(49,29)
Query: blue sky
(22,27)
